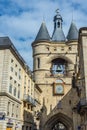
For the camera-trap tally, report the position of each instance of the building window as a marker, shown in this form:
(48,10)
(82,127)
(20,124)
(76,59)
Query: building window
(10,78)
(28,83)
(18,90)
(16,73)
(62,48)
(70,48)
(10,88)
(15,82)
(32,108)
(15,65)
(38,62)
(24,90)
(58,24)
(12,60)
(30,128)
(26,127)
(55,49)
(23,127)
(19,77)
(59,126)
(48,48)
(28,106)
(25,80)
(18,93)
(24,104)
(12,110)
(59,66)
(8,109)
(11,69)
(14,91)
(19,73)
(17,111)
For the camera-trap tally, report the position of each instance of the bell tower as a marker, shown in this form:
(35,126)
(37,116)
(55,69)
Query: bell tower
(57,20)
(54,61)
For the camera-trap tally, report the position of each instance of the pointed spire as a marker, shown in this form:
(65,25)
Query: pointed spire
(73,32)
(58,34)
(43,33)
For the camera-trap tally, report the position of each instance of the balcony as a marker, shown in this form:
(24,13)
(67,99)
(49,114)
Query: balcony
(82,105)
(29,99)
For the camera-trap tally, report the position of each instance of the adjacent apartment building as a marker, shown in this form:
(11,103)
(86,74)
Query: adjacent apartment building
(82,78)
(16,89)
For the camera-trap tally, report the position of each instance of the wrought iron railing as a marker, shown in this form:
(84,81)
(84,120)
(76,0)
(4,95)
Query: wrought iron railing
(82,105)
(83,102)
(29,99)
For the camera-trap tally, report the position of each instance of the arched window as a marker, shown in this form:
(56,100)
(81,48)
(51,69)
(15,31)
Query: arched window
(59,126)
(58,24)
(59,66)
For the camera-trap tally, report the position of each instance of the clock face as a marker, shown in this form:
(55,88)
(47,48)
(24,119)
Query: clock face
(59,89)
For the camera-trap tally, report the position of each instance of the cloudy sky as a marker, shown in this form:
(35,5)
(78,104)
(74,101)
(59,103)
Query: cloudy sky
(21,20)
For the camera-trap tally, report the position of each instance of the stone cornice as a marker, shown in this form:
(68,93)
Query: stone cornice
(9,96)
(60,54)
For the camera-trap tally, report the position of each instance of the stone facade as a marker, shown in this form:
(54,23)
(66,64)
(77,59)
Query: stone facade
(46,81)
(82,77)
(16,89)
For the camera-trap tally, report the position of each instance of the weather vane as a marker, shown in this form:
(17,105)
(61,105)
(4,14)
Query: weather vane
(57,11)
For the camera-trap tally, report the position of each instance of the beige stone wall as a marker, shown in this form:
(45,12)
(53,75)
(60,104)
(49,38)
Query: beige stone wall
(15,81)
(82,76)
(42,75)
(83,62)
(84,44)
(4,69)
(10,104)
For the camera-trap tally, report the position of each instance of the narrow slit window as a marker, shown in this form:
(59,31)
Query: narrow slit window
(38,62)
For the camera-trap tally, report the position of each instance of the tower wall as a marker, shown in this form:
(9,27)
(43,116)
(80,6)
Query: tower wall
(54,64)
(47,51)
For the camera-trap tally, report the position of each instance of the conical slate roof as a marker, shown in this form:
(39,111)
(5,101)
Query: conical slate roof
(43,33)
(58,35)
(73,32)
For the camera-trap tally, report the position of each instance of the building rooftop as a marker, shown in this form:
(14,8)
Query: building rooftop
(58,34)
(5,43)
(43,33)
(73,32)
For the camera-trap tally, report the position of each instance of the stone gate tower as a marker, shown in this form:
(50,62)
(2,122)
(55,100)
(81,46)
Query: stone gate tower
(54,62)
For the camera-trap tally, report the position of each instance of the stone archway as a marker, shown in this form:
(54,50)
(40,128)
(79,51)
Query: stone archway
(60,121)
(61,57)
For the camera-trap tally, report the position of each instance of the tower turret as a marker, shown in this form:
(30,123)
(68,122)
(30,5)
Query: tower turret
(43,34)
(58,34)
(73,32)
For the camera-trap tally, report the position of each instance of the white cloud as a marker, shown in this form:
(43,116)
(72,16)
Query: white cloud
(27,22)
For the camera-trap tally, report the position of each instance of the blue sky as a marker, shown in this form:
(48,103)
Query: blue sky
(21,20)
